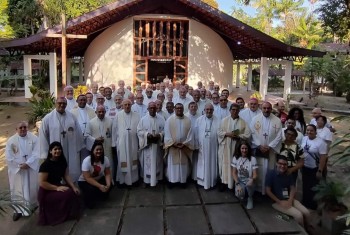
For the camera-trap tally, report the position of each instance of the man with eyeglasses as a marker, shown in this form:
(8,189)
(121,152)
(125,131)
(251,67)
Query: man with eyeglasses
(223,110)
(215,99)
(231,130)
(62,126)
(280,187)
(22,157)
(178,145)
(248,114)
(290,123)
(206,130)
(266,131)
(139,107)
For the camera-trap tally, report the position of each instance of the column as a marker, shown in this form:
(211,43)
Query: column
(287,79)
(27,72)
(264,73)
(81,77)
(238,79)
(69,71)
(53,74)
(250,77)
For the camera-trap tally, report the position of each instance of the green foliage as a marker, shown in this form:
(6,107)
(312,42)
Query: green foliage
(6,30)
(330,194)
(17,203)
(42,103)
(335,17)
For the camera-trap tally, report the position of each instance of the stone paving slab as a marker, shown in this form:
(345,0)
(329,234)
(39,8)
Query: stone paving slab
(264,217)
(144,220)
(31,227)
(146,197)
(214,196)
(98,221)
(180,196)
(229,219)
(186,220)
(116,198)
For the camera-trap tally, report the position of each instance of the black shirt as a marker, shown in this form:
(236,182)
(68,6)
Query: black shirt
(55,170)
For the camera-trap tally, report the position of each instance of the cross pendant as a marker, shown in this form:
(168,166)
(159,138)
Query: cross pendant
(63,134)
(265,135)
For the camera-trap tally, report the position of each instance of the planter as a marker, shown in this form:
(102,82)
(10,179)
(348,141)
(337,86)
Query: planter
(331,224)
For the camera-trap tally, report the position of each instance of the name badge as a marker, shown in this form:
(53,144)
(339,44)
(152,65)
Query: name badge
(285,193)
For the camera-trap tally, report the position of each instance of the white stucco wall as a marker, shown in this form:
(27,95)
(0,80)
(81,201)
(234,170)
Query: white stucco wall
(210,58)
(109,58)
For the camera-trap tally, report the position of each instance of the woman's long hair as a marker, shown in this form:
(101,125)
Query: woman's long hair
(54,144)
(238,152)
(93,157)
(301,117)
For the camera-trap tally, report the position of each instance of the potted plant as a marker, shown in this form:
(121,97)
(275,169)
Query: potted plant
(42,102)
(330,195)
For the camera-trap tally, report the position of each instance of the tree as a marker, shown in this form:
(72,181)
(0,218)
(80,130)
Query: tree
(6,30)
(335,17)
(212,3)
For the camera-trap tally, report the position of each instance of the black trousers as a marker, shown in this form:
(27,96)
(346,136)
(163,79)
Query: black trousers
(309,181)
(92,194)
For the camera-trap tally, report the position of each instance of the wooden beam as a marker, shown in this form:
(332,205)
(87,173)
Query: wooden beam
(56,35)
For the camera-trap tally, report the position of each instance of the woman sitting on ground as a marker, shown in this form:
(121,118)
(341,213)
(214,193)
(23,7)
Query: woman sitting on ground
(244,172)
(95,181)
(57,202)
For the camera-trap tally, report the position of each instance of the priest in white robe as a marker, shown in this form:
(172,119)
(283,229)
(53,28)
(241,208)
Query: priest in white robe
(124,138)
(193,115)
(100,129)
(62,126)
(150,131)
(109,101)
(232,129)
(183,99)
(248,114)
(139,107)
(178,145)
(22,157)
(206,130)
(223,110)
(69,94)
(266,131)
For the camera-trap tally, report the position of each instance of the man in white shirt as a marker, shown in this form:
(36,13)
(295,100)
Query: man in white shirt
(139,107)
(248,114)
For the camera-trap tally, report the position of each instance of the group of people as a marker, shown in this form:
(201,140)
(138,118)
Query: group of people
(105,138)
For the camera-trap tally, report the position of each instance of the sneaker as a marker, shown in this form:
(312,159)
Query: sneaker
(250,203)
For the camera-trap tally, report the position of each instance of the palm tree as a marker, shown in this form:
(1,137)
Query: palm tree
(308,31)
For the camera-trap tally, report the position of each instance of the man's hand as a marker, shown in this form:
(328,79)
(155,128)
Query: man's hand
(285,204)
(319,175)
(180,145)
(264,148)
(23,166)
(62,188)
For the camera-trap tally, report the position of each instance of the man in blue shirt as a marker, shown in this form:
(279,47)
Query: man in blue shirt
(280,187)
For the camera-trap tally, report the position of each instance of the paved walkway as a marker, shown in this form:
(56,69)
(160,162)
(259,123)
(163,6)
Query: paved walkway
(159,210)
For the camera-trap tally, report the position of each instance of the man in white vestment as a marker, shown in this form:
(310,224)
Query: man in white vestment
(62,126)
(183,99)
(232,129)
(215,99)
(121,85)
(150,131)
(226,93)
(83,114)
(193,115)
(248,114)
(22,157)
(109,101)
(169,108)
(159,106)
(200,104)
(149,97)
(124,134)
(206,129)
(99,129)
(94,91)
(211,87)
(69,92)
(139,107)
(178,145)
(223,110)
(90,100)
(266,131)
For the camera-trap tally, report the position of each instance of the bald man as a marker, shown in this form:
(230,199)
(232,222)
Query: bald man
(124,139)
